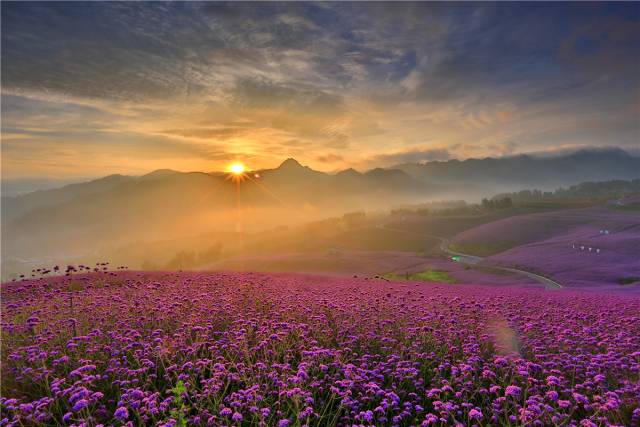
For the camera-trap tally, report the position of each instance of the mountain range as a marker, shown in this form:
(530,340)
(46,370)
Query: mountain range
(118,209)
(289,183)
(529,171)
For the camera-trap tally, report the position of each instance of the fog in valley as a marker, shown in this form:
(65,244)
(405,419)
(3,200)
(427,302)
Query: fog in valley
(172,220)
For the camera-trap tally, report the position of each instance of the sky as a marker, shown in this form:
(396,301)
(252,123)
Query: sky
(90,89)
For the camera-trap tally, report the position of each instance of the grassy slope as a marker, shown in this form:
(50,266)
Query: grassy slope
(429,275)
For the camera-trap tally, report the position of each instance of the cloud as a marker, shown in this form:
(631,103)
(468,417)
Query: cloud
(255,93)
(411,156)
(330,158)
(207,133)
(367,82)
(605,47)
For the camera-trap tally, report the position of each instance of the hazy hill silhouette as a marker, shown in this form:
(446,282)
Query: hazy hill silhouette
(171,203)
(163,204)
(527,171)
(16,206)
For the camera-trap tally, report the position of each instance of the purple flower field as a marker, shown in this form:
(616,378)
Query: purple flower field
(568,246)
(583,258)
(242,349)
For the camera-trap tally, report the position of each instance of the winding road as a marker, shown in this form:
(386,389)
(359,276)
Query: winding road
(474,260)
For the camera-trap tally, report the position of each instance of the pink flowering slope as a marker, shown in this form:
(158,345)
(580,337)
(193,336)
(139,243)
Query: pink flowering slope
(584,257)
(529,228)
(242,349)
(556,244)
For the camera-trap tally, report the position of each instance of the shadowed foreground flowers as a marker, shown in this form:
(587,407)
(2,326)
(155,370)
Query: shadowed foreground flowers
(288,350)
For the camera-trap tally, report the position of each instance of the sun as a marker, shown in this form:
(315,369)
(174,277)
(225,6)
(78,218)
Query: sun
(237,169)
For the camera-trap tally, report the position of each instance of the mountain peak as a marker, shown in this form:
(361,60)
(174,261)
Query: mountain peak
(290,163)
(349,172)
(159,173)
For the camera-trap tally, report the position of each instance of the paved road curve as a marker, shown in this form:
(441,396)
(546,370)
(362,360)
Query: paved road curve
(473,260)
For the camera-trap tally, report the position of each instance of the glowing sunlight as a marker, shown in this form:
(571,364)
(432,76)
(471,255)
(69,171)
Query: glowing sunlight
(237,168)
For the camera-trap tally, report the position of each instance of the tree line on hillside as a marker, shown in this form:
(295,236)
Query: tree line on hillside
(496,204)
(458,207)
(589,190)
